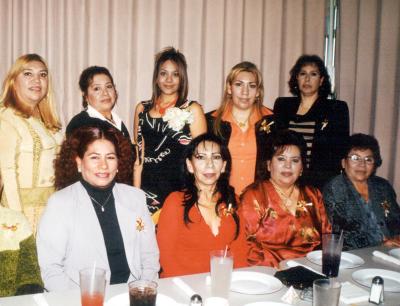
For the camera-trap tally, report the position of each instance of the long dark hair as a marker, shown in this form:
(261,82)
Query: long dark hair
(226,192)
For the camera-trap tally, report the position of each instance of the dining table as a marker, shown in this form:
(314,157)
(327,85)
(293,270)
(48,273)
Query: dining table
(200,283)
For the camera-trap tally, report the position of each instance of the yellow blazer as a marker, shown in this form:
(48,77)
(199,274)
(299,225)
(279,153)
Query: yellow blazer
(27,153)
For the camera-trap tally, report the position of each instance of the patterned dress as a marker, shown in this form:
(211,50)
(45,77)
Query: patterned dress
(163,150)
(273,232)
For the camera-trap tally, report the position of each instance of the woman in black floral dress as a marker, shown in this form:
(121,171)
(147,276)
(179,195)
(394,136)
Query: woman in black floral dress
(163,127)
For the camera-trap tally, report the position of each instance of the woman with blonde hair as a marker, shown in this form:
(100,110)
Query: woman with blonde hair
(242,122)
(29,137)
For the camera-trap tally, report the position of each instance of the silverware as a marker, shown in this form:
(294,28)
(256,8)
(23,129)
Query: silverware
(196,300)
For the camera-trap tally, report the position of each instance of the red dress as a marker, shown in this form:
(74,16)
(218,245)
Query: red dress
(273,232)
(185,249)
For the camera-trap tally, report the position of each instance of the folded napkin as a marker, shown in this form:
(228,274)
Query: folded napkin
(40,300)
(351,294)
(293,263)
(183,286)
(386,257)
(291,297)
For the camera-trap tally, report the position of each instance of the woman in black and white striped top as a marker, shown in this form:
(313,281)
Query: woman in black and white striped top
(323,122)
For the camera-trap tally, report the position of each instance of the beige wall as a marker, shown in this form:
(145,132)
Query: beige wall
(214,35)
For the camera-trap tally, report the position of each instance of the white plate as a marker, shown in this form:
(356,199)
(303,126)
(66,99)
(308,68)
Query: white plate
(267,304)
(248,282)
(123,300)
(347,260)
(391,279)
(395,253)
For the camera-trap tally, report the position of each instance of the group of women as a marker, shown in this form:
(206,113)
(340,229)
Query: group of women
(241,176)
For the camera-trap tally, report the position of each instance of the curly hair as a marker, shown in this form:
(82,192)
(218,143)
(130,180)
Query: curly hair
(227,98)
(314,60)
(364,142)
(275,144)
(227,192)
(66,170)
(174,55)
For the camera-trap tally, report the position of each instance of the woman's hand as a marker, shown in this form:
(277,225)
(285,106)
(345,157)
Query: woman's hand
(392,242)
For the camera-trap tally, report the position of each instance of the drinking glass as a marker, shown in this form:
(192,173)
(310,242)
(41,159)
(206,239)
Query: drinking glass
(142,293)
(331,252)
(221,263)
(93,283)
(326,292)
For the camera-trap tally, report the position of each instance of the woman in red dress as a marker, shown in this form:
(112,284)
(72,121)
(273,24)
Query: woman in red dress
(283,218)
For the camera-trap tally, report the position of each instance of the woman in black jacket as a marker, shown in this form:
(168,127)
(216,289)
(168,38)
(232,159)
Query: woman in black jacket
(323,122)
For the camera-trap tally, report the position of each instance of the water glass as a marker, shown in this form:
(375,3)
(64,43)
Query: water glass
(326,292)
(221,263)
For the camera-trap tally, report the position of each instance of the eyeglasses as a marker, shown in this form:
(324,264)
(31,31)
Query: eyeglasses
(358,159)
(311,75)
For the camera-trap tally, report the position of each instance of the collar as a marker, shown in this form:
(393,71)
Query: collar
(92,112)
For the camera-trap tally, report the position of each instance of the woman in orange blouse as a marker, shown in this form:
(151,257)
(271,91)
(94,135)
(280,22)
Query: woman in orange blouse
(203,216)
(242,122)
(284,219)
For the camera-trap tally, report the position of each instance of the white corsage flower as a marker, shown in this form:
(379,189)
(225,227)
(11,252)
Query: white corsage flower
(177,118)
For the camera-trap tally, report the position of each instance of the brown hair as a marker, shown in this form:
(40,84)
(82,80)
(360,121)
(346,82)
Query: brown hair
(46,106)
(66,170)
(227,98)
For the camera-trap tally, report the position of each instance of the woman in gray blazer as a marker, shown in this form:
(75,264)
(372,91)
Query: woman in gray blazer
(93,217)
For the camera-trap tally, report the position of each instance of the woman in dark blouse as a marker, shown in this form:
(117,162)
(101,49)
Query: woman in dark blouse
(323,122)
(360,203)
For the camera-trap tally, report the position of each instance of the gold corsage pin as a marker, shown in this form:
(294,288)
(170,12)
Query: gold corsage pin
(228,211)
(139,224)
(12,227)
(266,127)
(386,208)
(324,124)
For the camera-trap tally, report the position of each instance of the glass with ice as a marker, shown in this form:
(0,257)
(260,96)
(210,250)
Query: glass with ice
(221,263)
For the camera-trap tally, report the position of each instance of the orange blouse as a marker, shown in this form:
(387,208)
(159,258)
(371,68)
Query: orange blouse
(185,249)
(274,233)
(243,148)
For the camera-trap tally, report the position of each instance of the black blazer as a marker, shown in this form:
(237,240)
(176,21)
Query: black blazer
(263,128)
(330,137)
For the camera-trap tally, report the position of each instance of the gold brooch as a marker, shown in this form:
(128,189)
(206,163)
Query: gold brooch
(12,227)
(386,208)
(139,224)
(266,127)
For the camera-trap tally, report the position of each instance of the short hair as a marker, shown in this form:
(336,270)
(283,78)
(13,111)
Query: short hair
(174,55)
(9,96)
(276,143)
(226,192)
(227,98)
(364,142)
(86,79)
(66,170)
(325,89)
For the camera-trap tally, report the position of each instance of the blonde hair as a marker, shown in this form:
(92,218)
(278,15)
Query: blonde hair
(227,98)
(46,106)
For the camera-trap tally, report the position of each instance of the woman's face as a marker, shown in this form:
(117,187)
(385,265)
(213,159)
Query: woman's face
(309,80)
(206,164)
(285,167)
(168,78)
(101,94)
(244,90)
(31,83)
(99,165)
(359,165)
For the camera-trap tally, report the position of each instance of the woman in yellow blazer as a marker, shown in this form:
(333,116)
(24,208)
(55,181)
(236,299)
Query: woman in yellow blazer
(29,137)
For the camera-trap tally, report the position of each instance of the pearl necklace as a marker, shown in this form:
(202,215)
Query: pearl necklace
(104,204)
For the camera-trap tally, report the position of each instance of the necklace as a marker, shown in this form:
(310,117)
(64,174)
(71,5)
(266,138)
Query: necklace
(104,204)
(162,109)
(241,124)
(285,198)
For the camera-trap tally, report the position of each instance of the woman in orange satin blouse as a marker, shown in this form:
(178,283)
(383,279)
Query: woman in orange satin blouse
(283,218)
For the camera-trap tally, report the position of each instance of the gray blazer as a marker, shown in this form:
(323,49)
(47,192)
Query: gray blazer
(69,236)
